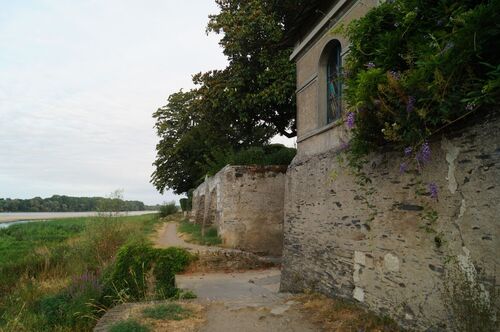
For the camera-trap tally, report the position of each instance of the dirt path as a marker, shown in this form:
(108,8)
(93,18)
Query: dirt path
(167,237)
(246,301)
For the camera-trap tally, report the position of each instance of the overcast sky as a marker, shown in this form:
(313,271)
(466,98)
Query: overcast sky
(79,80)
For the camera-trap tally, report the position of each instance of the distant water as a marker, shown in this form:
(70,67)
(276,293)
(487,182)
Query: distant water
(8,218)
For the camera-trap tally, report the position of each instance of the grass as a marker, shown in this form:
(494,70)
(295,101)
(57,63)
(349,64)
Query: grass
(337,315)
(169,311)
(211,237)
(52,272)
(128,326)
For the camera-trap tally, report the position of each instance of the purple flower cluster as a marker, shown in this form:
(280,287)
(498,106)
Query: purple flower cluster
(403,167)
(344,145)
(424,155)
(433,190)
(410,106)
(350,120)
(408,150)
(87,282)
(370,65)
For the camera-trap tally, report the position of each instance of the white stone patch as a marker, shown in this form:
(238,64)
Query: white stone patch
(359,294)
(451,155)
(359,258)
(462,209)
(355,274)
(391,262)
(467,266)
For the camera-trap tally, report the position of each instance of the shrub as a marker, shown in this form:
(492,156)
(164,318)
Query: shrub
(184,202)
(272,154)
(136,264)
(168,209)
(128,326)
(194,230)
(72,306)
(170,311)
(416,66)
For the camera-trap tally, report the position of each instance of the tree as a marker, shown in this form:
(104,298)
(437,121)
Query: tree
(243,105)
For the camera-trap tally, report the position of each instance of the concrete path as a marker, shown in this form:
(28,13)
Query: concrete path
(256,286)
(246,302)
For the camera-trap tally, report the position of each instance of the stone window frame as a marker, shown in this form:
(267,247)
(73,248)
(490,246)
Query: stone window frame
(333,45)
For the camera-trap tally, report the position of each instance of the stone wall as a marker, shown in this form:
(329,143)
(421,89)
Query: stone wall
(245,203)
(383,241)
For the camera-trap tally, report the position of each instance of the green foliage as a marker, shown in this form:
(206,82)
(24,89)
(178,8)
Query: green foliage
(169,311)
(71,307)
(273,154)
(58,203)
(416,66)
(128,326)
(168,209)
(37,258)
(184,202)
(136,263)
(243,105)
(211,237)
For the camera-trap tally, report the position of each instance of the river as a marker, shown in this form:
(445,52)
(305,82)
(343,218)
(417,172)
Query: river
(8,218)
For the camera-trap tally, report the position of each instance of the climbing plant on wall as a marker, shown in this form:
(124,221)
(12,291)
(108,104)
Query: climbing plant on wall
(415,67)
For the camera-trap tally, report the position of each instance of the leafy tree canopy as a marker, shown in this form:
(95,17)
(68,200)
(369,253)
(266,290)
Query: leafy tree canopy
(59,203)
(241,106)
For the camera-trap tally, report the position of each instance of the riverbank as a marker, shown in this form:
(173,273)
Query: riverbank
(8,217)
(52,273)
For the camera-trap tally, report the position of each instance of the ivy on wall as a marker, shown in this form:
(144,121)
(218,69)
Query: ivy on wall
(417,66)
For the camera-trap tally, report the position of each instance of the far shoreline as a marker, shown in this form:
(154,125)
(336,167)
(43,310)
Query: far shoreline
(9,217)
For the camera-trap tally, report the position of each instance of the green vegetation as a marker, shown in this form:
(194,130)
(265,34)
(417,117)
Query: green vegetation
(136,263)
(128,326)
(273,154)
(185,204)
(194,231)
(58,203)
(62,275)
(418,66)
(170,311)
(241,106)
(168,209)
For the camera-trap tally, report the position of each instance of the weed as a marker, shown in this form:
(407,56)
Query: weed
(128,326)
(211,237)
(169,311)
(168,209)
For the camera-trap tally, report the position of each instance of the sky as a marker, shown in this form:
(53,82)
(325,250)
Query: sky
(79,81)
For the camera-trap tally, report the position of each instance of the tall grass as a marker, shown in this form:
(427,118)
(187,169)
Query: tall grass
(211,238)
(51,272)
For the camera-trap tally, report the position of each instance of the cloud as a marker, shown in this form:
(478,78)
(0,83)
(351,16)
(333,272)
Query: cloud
(79,81)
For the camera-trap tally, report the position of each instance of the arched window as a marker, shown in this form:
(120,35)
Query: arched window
(330,82)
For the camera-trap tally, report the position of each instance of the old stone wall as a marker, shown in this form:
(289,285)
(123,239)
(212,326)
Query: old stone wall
(380,239)
(245,203)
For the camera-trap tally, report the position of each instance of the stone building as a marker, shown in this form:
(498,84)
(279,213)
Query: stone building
(383,244)
(245,203)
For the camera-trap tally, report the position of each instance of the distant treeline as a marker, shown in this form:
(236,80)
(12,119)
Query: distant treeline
(58,203)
